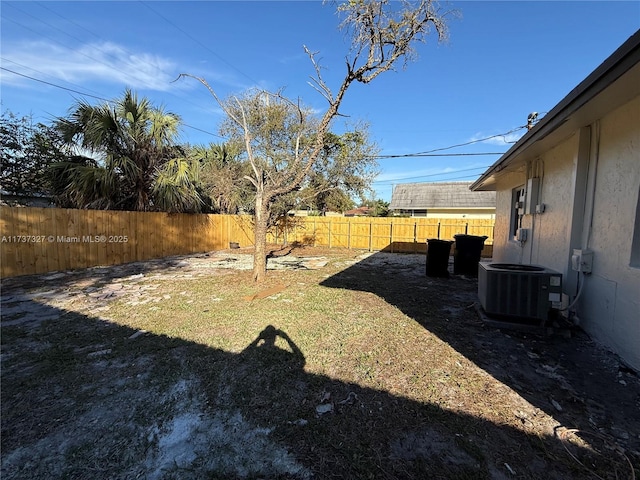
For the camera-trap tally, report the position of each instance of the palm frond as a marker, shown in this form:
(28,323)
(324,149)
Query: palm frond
(175,187)
(91,187)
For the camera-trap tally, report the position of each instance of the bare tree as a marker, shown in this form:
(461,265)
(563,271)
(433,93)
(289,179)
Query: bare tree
(282,139)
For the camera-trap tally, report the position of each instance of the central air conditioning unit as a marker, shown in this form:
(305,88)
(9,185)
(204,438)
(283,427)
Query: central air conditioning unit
(521,291)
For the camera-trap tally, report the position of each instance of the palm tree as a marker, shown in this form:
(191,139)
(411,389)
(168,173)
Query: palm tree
(139,167)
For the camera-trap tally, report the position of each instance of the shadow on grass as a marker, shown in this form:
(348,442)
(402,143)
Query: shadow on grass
(83,397)
(569,378)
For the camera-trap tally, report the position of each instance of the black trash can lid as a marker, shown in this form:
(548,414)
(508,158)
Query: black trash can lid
(483,237)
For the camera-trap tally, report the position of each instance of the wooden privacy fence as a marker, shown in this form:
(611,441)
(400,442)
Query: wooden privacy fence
(39,240)
(393,234)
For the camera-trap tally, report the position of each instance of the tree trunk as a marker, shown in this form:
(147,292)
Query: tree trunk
(260,239)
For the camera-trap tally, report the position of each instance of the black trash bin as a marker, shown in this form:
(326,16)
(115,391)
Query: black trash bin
(438,252)
(466,254)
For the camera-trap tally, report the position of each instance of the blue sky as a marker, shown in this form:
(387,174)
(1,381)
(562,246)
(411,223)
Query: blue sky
(503,60)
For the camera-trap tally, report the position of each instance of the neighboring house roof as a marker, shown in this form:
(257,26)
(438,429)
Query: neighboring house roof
(358,212)
(421,196)
(615,82)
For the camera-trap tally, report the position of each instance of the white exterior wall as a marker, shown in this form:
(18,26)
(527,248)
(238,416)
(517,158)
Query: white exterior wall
(549,232)
(505,249)
(609,305)
(547,242)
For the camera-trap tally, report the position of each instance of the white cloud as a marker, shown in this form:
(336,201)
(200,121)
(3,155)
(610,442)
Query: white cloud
(106,62)
(293,58)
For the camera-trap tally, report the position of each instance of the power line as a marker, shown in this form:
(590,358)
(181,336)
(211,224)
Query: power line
(95,47)
(429,153)
(432,175)
(46,23)
(466,177)
(93,96)
(408,155)
(203,131)
(42,73)
(53,84)
(413,155)
(471,142)
(219,136)
(188,35)
(76,51)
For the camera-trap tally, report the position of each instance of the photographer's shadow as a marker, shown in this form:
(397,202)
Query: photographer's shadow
(268,372)
(264,348)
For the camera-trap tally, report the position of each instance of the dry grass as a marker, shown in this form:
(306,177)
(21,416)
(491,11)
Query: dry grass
(360,369)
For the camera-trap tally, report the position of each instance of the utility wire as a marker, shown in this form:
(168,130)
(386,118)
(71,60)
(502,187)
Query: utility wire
(466,177)
(408,155)
(67,47)
(432,175)
(471,142)
(428,153)
(215,135)
(479,140)
(413,155)
(53,84)
(93,96)
(41,73)
(188,35)
(109,66)
(78,40)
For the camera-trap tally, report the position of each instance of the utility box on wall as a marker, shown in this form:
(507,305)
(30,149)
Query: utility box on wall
(582,260)
(533,187)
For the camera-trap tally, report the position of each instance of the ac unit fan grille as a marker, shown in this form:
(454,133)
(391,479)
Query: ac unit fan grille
(516,292)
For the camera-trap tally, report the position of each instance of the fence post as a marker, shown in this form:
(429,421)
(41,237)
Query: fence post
(370,235)
(391,235)
(284,232)
(329,233)
(415,236)
(349,235)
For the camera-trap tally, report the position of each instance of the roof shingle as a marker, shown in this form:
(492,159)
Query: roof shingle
(415,196)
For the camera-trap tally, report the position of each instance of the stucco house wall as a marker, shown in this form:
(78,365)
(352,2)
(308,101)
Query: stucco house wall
(610,309)
(547,242)
(610,301)
(584,159)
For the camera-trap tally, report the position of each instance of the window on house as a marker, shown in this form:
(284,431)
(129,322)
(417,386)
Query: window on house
(635,243)
(517,209)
